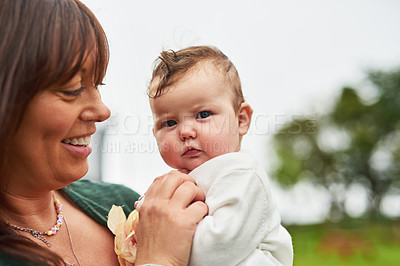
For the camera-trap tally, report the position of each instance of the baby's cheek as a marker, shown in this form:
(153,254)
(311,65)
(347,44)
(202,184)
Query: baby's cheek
(163,148)
(222,145)
(167,151)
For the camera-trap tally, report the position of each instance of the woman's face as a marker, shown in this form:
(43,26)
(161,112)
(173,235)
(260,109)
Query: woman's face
(51,146)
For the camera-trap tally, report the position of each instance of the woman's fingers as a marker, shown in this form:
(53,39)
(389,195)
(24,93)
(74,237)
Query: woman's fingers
(185,194)
(154,187)
(178,191)
(171,209)
(197,210)
(166,185)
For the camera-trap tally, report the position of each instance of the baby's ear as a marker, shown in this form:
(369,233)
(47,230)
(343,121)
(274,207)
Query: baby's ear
(244,118)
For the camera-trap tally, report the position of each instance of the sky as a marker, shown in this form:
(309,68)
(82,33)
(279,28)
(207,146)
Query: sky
(293,58)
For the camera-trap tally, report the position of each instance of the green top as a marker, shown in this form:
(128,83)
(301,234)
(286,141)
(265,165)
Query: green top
(93,198)
(97,198)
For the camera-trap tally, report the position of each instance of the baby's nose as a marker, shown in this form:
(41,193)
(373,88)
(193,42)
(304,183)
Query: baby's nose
(187,131)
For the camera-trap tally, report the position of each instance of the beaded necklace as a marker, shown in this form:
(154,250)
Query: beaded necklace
(52,231)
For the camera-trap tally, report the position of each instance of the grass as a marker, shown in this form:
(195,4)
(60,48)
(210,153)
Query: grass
(356,242)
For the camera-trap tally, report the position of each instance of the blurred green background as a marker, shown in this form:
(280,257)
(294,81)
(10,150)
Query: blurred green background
(353,242)
(355,144)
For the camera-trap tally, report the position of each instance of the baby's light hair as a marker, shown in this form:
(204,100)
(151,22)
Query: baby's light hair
(173,66)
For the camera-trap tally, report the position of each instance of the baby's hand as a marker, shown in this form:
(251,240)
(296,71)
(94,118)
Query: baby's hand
(184,170)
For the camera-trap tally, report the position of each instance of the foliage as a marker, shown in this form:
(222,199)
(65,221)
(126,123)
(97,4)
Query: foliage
(356,242)
(357,142)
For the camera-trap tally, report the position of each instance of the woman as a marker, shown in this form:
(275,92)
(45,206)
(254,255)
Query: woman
(53,55)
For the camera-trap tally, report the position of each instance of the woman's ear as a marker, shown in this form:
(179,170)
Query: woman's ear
(244,118)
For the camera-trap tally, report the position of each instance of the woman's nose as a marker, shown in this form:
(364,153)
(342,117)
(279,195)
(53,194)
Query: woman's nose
(96,110)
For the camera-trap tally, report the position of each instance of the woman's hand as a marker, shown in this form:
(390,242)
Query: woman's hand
(168,217)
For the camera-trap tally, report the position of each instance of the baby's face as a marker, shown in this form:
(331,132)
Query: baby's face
(194,120)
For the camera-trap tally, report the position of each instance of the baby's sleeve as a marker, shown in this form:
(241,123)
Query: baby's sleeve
(241,214)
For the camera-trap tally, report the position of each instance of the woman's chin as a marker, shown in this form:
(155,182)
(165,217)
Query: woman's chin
(78,173)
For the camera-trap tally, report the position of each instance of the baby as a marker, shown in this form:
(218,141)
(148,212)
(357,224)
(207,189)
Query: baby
(200,117)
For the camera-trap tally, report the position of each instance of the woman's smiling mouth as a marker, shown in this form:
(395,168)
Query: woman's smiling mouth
(79,146)
(81,141)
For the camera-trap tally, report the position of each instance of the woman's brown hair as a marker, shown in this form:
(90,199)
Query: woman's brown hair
(42,43)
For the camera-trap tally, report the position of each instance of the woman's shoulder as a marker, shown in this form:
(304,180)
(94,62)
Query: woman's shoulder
(97,198)
(92,188)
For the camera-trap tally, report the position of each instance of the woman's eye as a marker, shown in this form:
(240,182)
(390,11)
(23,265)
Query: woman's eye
(203,114)
(73,93)
(169,123)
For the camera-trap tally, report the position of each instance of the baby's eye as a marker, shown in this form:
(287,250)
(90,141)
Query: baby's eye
(169,123)
(203,114)
(74,93)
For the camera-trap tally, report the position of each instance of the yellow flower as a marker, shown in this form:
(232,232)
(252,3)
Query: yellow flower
(124,230)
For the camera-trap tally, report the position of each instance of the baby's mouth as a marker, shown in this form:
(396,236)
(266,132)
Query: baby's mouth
(82,141)
(191,152)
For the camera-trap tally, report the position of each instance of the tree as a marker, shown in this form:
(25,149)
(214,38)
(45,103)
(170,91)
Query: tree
(357,142)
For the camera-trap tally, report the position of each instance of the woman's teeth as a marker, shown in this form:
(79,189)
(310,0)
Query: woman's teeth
(78,141)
